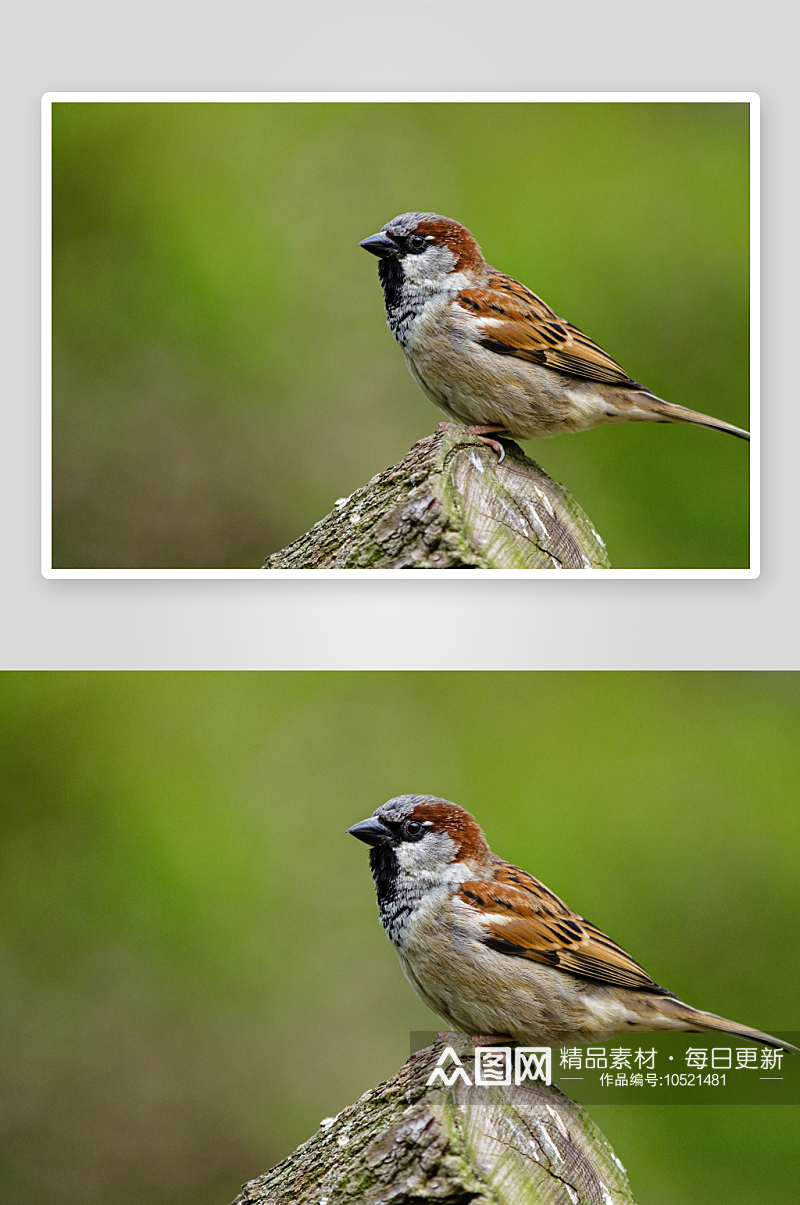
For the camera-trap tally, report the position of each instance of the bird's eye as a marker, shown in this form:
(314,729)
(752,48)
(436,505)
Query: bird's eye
(416,242)
(413,828)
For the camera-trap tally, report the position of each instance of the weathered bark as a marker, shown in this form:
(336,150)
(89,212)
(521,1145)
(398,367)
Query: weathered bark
(405,1144)
(450,504)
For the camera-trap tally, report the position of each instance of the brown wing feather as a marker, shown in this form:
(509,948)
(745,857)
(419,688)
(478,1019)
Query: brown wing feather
(524,919)
(525,327)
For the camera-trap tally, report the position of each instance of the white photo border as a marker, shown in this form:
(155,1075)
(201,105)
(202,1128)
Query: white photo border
(750,98)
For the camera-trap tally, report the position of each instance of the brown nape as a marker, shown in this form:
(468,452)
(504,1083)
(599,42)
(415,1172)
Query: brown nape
(457,238)
(458,824)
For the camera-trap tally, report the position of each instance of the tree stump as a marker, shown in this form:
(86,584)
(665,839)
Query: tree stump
(405,1143)
(451,504)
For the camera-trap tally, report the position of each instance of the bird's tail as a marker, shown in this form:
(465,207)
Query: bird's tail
(657,410)
(695,1020)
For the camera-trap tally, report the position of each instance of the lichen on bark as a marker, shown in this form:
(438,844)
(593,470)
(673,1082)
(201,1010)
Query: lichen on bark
(451,504)
(404,1143)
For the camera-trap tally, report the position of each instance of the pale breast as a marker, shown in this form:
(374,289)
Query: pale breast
(474,385)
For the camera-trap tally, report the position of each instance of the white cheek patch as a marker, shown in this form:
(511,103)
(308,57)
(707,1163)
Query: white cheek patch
(433,860)
(429,853)
(431,857)
(428,270)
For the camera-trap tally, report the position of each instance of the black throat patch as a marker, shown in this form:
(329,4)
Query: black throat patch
(401,306)
(385,869)
(397,894)
(390,275)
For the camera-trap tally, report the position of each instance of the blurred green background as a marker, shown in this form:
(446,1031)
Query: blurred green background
(192,971)
(222,368)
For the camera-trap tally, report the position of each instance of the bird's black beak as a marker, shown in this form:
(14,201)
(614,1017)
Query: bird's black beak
(381,245)
(371,831)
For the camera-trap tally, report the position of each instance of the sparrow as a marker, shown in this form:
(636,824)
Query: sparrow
(493,355)
(492,951)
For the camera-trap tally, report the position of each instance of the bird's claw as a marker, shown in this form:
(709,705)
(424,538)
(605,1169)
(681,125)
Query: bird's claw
(479,432)
(493,443)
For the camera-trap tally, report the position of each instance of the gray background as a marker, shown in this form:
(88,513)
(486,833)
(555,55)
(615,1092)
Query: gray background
(409,622)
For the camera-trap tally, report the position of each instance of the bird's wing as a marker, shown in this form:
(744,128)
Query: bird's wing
(523,919)
(515,322)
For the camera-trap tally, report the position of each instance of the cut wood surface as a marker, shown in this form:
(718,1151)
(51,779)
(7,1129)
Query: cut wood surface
(451,504)
(404,1143)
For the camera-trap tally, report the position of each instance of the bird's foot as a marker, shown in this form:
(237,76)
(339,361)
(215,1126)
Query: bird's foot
(482,431)
(498,447)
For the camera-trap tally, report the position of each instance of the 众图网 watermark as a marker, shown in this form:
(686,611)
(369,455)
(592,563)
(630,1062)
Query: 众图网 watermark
(661,1068)
(498,1065)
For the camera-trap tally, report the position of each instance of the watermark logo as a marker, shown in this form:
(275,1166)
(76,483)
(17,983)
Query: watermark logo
(498,1066)
(671,1067)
